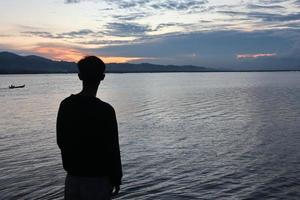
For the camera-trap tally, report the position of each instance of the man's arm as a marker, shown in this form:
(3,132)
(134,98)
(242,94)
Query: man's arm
(60,125)
(116,157)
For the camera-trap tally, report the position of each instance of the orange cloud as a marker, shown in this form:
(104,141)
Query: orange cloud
(254,56)
(69,54)
(59,53)
(112,59)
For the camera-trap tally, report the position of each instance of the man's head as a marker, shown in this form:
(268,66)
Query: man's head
(91,70)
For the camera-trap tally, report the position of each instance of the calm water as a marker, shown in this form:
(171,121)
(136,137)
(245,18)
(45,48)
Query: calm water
(182,136)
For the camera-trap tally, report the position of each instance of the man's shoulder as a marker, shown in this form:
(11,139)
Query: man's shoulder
(107,106)
(66,100)
(92,101)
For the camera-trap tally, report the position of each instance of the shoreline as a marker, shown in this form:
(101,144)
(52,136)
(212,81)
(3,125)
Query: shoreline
(152,72)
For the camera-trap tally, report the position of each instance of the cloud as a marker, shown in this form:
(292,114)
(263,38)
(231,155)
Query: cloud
(179,5)
(257,6)
(271,1)
(123,4)
(66,35)
(173,30)
(126,29)
(80,33)
(42,34)
(215,48)
(165,25)
(276,48)
(105,42)
(130,16)
(58,53)
(72,1)
(73,53)
(158,4)
(275,17)
(118,59)
(241,15)
(266,17)
(254,56)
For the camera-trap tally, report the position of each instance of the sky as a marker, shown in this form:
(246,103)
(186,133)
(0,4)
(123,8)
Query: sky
(211,33)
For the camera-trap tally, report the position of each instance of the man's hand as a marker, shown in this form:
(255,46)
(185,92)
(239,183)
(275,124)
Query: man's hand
(115,190)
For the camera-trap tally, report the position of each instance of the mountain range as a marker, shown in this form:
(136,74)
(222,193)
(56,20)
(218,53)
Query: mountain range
(11,63)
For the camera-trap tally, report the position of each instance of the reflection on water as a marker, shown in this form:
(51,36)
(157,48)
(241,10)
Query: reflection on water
(182,135)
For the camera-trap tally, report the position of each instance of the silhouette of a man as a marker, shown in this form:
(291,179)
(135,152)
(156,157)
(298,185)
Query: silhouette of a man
(87,136)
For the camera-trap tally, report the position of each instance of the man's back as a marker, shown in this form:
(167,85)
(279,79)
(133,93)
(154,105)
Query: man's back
(87,135)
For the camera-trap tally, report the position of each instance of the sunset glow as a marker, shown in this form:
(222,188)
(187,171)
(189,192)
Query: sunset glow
(73,55)
(157,31)
(254,56)
(59,53)
(119,59)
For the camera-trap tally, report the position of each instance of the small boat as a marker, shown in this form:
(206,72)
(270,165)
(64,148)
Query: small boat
(16,86)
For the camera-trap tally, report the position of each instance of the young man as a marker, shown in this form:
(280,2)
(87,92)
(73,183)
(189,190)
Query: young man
(87,136)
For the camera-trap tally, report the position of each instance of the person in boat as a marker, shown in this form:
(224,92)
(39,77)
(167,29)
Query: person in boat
(87,135)
(20,86)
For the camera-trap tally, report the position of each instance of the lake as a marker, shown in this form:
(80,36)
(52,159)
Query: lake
(182,135)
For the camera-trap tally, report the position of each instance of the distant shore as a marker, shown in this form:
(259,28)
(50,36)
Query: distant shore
(11,63)
(141,72)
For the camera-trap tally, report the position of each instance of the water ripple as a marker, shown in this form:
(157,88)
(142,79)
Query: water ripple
(197,139)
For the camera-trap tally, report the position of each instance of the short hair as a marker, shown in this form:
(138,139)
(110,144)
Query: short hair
(91,68)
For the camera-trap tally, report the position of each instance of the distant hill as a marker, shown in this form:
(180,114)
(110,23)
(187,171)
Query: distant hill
(14,64)
(11,63)
(146,67)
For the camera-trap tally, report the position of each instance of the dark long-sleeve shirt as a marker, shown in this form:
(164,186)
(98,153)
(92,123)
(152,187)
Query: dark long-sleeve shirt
(87,134)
